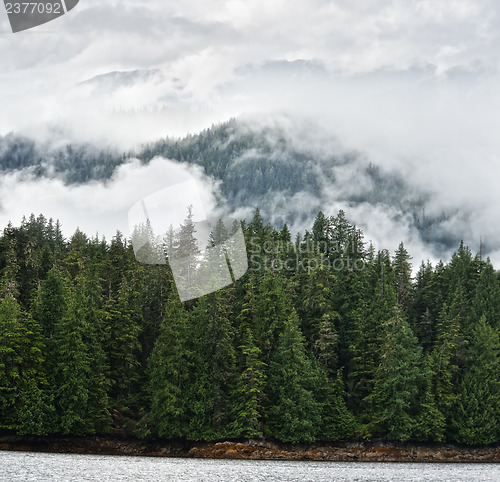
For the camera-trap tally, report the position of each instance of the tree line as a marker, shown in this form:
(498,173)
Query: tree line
(340,343)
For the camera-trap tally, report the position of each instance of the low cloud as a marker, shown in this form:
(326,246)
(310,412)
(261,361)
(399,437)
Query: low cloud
(96,207)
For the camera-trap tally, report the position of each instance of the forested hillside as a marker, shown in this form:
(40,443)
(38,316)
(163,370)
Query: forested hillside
(324,338)
(290,177)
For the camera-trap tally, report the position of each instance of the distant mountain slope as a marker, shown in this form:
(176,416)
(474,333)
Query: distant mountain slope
(263,167)
(74,163)
(111,81)
(289,177)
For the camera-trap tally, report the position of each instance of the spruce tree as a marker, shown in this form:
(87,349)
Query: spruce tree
(81,387)
(448,356)
(423,309)
(319,317)
(11,360)
(169,368)
(402,278)
(293,411)
(430,423)
(249,393)
(213,386)
(486,299)
(25,405)
(368,336)
(36,414)
(122,325)
(477,415)
(400,382)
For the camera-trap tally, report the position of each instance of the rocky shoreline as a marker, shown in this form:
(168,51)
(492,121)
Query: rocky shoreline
(253,449)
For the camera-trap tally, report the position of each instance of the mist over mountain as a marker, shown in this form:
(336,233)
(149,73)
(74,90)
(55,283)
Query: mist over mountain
(287,169)
(111,81)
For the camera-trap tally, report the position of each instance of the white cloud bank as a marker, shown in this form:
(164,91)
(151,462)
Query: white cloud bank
(102,209)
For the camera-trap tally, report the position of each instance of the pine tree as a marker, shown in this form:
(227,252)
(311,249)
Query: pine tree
(186,257)
(402,278)
(430,423)
(80,396)
(368,335)
(448,355)
(51,304)
(169,368)
(486,299)
(250,390)
(321,233)
(77,257)
(338,423)
(400,382)
(272,310)
(9,284)
(477,415)
(11,360)
(293,412)
(95,337)
(318,316)
(123,326)
(36,415)
(423,308)
(24,404)
(115,265)
(214,383)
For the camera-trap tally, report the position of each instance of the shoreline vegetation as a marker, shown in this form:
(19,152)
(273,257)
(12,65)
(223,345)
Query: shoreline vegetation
(375,451)
(323,340)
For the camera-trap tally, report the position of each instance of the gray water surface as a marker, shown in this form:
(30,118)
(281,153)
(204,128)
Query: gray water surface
(29,466)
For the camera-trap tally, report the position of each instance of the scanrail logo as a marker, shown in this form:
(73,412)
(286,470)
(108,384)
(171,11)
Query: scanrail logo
(26,15)
(204,253)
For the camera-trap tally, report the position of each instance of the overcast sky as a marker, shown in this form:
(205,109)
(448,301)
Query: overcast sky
(414,85)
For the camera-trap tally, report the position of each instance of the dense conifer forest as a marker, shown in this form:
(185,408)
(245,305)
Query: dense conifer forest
(323,339)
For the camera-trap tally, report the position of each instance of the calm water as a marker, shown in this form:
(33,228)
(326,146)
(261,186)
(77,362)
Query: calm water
(28,466)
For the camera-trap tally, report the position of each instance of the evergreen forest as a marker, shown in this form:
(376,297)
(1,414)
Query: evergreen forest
(324,338)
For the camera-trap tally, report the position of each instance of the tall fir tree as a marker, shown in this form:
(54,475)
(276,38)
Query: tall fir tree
(293,412)
(400,382)
(477,415)
(169,372)
(213,386)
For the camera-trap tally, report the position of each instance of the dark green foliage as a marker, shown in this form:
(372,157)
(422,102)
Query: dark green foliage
(122,326)
(368,333)
(402,278)
(486,299)
(36,410)
(449,355)
(293,412)
(477,418)
(322,340)
(169,369)
(337,421)
(424,308)
(430,423)
(400,382)
(24,406)
(80,370)
(51,304)
(250,390)
(211,392)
